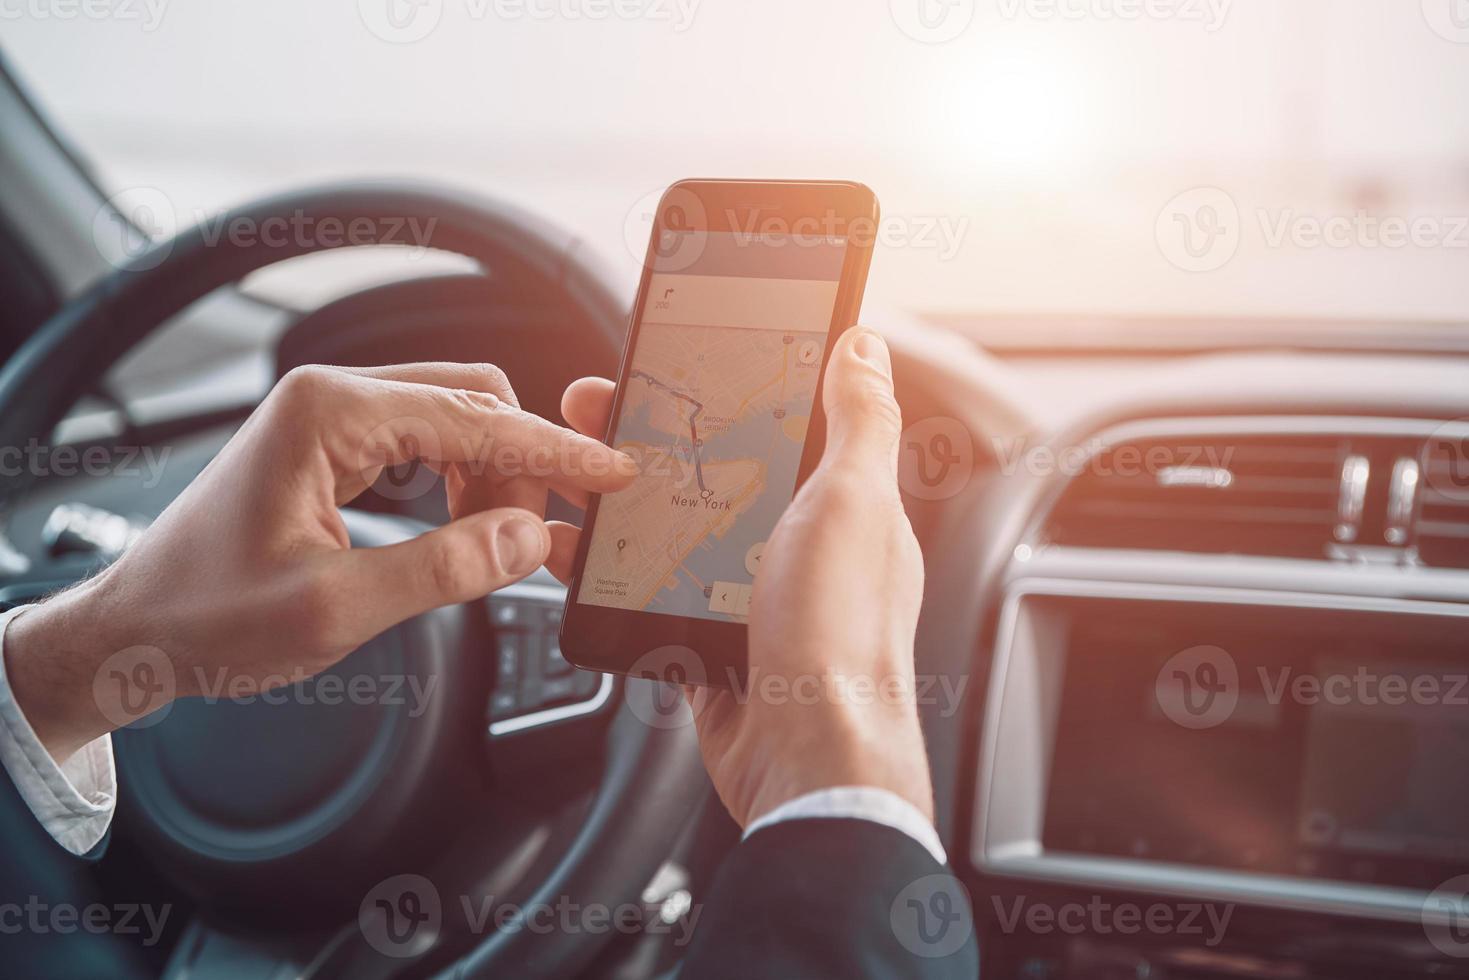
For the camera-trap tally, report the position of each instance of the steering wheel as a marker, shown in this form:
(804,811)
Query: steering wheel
(291,812)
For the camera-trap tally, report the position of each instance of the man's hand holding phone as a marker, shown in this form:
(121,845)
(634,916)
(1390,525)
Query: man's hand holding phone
(838,596)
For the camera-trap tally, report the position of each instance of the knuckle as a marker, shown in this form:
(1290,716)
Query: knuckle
(474,403)
(456,413)
(447,571)
(302,386)
(846,495)
(875,406)
(493,379)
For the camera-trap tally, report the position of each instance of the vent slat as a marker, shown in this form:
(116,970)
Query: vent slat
(1271,495)
(1443,516)
(1280,498)
(1443,529)
(1447,501)
(1222,515)
(1317,486)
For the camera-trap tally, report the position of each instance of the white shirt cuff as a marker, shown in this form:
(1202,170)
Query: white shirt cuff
(74,801)
(859,803)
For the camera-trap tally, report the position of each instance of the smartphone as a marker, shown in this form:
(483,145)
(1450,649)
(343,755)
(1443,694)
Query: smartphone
(746,286)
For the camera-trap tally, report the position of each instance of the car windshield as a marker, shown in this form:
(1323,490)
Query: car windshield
(1303,159)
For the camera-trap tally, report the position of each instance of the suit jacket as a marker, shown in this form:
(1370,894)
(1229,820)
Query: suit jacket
(44,890)
(833,898)
(803,898)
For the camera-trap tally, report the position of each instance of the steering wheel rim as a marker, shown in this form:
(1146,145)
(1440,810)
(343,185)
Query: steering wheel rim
(654,778)
(91,333)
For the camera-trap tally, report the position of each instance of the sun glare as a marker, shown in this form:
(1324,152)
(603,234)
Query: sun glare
(1021,114)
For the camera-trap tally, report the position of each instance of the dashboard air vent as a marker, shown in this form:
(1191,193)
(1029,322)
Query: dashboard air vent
(1282,495)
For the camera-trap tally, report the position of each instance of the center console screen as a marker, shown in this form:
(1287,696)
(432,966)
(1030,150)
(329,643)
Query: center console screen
(1308,742)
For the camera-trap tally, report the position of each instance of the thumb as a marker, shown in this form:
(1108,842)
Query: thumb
(459,562)
(864,422)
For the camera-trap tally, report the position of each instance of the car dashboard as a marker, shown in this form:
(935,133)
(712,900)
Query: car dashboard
(1192,653)
(1218,725)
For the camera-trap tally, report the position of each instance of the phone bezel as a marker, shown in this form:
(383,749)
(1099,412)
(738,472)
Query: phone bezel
(633,641)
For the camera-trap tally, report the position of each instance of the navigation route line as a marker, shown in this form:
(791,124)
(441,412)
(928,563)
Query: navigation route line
(693,424)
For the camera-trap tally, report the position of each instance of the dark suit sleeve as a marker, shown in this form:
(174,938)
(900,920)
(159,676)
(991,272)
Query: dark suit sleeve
(38,879)
(833,898)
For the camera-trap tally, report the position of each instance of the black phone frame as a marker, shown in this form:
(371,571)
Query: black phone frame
(686,649)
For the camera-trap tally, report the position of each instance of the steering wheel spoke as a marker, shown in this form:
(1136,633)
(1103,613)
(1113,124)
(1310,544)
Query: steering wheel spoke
(542,710)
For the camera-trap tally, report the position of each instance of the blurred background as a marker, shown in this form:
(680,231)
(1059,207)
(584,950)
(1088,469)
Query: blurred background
(1091,157)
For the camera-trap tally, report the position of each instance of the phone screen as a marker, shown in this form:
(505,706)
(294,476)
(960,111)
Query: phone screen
(716,404)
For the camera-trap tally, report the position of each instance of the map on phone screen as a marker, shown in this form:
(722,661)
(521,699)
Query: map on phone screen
(715,409)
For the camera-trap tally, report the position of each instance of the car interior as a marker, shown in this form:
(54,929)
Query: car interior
(1192,652)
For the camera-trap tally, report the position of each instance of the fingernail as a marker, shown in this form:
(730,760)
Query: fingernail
(518,546)
(872,349)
